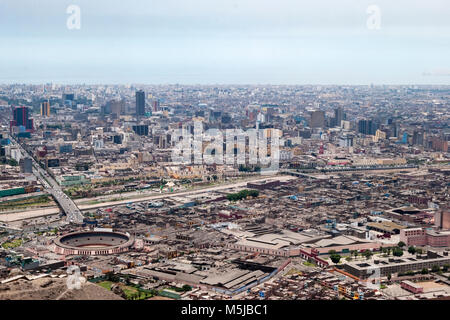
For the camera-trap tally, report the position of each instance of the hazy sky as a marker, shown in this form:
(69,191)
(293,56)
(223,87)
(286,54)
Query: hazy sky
(218,41)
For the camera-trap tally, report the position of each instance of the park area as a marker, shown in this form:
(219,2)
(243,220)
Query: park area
(127,292)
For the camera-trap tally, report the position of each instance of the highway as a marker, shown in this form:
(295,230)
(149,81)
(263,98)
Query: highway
(69,207)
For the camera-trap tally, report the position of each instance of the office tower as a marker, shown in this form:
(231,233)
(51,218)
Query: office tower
(117,139)
(338,117)
(45,109)
(405,138)
(346,141)
(21,119)
(141,130)
(155,105)
(114,107)
(442,219)
(317,119)
(68,97)
(369,127)
(418,137)
(140,103)
(438,144)
(26,165)
(393,129)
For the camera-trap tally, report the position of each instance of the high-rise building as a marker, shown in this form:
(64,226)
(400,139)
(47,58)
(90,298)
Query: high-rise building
(338,117)
(21,119)
(405,137)
(155,105)
(26,165)
(439,144)
(141,130)
(442,219)
(68,97)
(346,141)
(418,137)
(369,127)
(317,119)
(115,107)
(140,103)
(45,109)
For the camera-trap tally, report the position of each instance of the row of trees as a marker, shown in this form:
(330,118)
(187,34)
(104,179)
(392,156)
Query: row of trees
(242,195)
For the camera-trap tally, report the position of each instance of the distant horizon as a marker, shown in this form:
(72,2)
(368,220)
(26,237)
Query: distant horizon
(228,84)
(288,42)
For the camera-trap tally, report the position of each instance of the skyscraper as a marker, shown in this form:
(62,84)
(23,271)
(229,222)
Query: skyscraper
(367,127)
(140,103)
(317,119)
(45,109)
(338,117)
(418,137)
(155,105)
(21,118)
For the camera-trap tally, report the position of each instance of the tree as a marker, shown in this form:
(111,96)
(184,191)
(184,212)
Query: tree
(435,268)
(445,267)
(424,271)
(401,244)
(397,252)
(335,258)
(389,277)
(187,287)
(412,250)
(367,254)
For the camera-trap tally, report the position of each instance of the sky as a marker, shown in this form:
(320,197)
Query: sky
(225,42)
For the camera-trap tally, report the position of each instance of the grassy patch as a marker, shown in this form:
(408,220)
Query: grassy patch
(105,284)
(24,203)
(12,244)
(309,264)
(131,293)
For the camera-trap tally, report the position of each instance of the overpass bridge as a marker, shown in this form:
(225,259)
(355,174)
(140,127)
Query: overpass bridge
(67,205)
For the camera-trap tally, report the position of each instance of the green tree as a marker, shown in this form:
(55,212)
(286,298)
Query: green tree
(187,287)
(401,244)
(435,268)
(335,258)
(367,254)
(412,250)
(424,271)
(389,277)
(445,267)
(397,252)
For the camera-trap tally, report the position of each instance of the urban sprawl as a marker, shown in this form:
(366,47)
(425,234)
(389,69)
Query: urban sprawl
(94,205)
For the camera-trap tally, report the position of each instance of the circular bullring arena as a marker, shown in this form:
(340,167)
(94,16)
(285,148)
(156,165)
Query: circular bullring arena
(93,243)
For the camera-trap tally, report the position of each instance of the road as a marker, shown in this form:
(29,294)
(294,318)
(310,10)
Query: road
(184,193)
(69,207)
(49,211)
